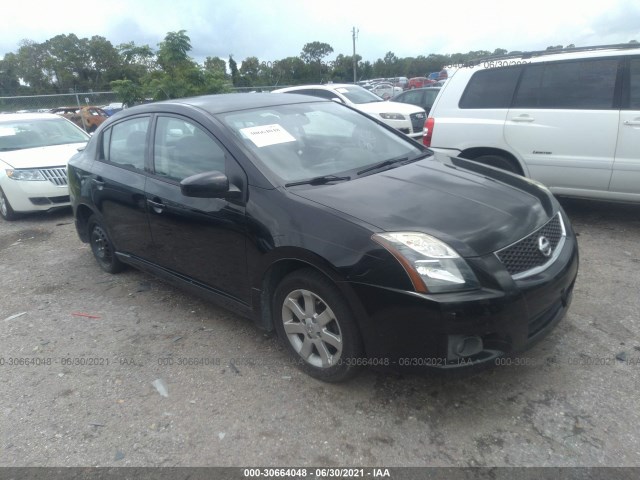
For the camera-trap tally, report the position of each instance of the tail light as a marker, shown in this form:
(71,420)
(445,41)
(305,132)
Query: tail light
(428,131)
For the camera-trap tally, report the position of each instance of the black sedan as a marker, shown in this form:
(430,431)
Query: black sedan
(356,244)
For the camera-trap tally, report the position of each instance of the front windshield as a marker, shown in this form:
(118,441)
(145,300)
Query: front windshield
(358,95)
(38,132)
(310,140)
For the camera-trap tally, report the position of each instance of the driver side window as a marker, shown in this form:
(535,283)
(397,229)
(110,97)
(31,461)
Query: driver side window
(183,149)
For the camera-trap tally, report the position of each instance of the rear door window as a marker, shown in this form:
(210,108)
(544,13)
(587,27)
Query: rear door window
(125,144)
(583,84)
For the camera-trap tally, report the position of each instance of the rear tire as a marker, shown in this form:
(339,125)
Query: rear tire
(498,161)
(102,248)
(5,208)
(316,325)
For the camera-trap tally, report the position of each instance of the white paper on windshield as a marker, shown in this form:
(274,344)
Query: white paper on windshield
(342,90)
(266,135)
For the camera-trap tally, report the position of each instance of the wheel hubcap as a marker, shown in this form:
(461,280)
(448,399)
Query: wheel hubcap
(3,206)
(100,244)
(312,328)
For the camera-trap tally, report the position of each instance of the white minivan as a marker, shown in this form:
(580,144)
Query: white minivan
(569,119)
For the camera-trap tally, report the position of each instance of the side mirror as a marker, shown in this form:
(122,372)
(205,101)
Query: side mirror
(213,184)
(337,99)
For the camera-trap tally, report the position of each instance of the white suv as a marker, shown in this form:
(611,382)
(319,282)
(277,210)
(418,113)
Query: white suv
(569,119)
(409,119)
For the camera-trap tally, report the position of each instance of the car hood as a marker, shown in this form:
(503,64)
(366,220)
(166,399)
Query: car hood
(41,157)
(376,108)
(475,212)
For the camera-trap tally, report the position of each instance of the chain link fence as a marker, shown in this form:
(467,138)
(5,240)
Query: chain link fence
(43,103)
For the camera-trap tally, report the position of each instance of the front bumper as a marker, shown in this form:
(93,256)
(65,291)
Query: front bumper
(409,330)
(25,196)
(406,127)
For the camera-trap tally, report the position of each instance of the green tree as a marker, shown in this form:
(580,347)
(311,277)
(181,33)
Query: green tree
(387,66)
(30,60)
(365,70)
(179,76)
(137,61)
(235,75)
(250,71)
(128,92)
(288,71)
(105,62)
(9,81)
(173,51)
(67,59)
(215,64)
(315,51)
(343,68)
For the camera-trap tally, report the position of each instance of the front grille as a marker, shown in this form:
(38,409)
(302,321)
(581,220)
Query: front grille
(525,257)
(57,175)
(417,121)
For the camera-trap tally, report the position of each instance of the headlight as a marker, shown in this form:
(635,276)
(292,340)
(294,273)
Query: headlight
(392,116)
(25,175)
(432,265)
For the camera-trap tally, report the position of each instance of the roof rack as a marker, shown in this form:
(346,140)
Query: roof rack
(541,53)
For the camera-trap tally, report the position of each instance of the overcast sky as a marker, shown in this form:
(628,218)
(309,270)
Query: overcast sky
(275,29)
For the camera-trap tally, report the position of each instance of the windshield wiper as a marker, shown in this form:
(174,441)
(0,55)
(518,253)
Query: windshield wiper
(392,161)
(318,180)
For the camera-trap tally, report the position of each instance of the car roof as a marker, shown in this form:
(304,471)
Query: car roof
(230,102)
(11,117)
(327,86)
(565,54)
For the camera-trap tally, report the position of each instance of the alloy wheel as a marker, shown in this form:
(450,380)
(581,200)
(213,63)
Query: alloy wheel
(312,328)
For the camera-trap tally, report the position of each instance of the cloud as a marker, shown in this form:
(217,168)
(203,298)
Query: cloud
(276,29)
(621,22)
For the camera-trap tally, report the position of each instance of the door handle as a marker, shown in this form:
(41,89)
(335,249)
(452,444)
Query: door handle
(158,207)
(523,118)
(98,182)
(632,123)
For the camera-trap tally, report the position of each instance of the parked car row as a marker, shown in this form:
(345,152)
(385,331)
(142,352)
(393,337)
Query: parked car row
(87,117)
(386,90)
(389,87)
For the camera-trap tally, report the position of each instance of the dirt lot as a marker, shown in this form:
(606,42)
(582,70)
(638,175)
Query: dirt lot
(80,351)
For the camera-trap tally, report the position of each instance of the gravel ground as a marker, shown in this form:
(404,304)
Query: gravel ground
(124,370)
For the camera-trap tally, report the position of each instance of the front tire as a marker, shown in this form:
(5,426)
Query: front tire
(5,208)
(316,325)
(102,248)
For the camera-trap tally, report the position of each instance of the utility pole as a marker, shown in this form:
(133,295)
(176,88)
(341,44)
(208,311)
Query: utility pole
(354,34)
